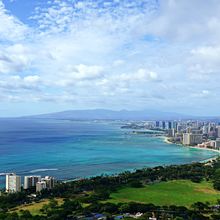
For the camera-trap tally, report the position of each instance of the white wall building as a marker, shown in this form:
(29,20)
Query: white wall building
(13,183)
(186,139)
(40,186)
(217,144)
(31,181)
(192,139)
(49,181)
(46,183)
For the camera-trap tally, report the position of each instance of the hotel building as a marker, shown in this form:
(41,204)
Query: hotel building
(13,183)
(31,181)
(40,186)
(192,139)
(46,183)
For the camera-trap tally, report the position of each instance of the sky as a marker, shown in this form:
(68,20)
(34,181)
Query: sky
(114,54)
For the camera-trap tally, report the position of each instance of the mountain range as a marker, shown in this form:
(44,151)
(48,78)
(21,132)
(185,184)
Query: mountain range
(103,114)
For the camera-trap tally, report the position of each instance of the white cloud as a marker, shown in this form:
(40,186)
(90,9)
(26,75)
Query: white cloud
(187,20)
(203,94)
(11,29)
(204,62)
(93,53)
(118,62)
(10,84)
(140,76)
(208,53)
(32,80)
(76,74)
(14,58)
(143,74)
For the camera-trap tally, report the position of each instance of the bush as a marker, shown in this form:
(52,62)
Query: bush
(136,184)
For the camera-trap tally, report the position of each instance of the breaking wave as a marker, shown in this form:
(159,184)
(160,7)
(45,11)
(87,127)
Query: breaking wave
(42,170)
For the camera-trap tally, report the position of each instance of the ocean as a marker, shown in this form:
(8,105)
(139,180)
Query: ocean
(69,149)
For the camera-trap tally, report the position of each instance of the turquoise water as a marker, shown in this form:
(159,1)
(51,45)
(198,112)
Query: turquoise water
(71,149)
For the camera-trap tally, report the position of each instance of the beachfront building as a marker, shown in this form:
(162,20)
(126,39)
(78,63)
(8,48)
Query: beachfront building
(40,186)
(186,139)
(192,139)
(31,181)
(217,144)
(195,139)
(13,183)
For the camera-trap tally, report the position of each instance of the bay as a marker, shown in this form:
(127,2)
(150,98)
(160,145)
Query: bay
(76,149)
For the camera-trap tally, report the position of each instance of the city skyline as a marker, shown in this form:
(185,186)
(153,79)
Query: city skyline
(135,55)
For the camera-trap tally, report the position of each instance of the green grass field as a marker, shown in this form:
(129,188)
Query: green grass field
(177,192)
(34,208)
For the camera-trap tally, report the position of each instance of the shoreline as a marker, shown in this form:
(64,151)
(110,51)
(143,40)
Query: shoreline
(166,140)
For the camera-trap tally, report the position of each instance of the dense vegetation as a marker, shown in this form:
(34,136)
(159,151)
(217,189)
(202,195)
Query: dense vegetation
(87,196)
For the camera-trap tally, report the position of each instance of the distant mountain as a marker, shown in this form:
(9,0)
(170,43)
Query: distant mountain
(103,114)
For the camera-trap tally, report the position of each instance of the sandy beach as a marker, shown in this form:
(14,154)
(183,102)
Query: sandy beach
(166,140)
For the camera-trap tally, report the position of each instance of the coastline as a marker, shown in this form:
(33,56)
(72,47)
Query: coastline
(166,140)
(203,159)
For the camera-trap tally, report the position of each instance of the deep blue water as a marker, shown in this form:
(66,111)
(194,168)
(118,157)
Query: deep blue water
(70,149)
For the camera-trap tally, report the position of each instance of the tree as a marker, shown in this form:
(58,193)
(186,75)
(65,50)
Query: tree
(216,179)
(25,215)
(136,184)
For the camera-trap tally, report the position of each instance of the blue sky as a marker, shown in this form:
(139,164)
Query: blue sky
(116,54)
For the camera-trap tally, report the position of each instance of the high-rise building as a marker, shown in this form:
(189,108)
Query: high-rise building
(30,181)
(173,132)
(210,127)
(179,128)
(205,130)
(186,139)
(163,124)
(188,129)
(217,143)
(40,186)
(157,124)
(218,131)
(46,183)
(196,139)
(195,131)
(50,181)
(175,124)
(192,139)
(170,133)
(13,183)
(170,125)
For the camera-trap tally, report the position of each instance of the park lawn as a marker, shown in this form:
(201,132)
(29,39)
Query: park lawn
(176,192)
(34,208)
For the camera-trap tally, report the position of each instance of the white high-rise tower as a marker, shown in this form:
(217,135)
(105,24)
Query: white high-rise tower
(13,183)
